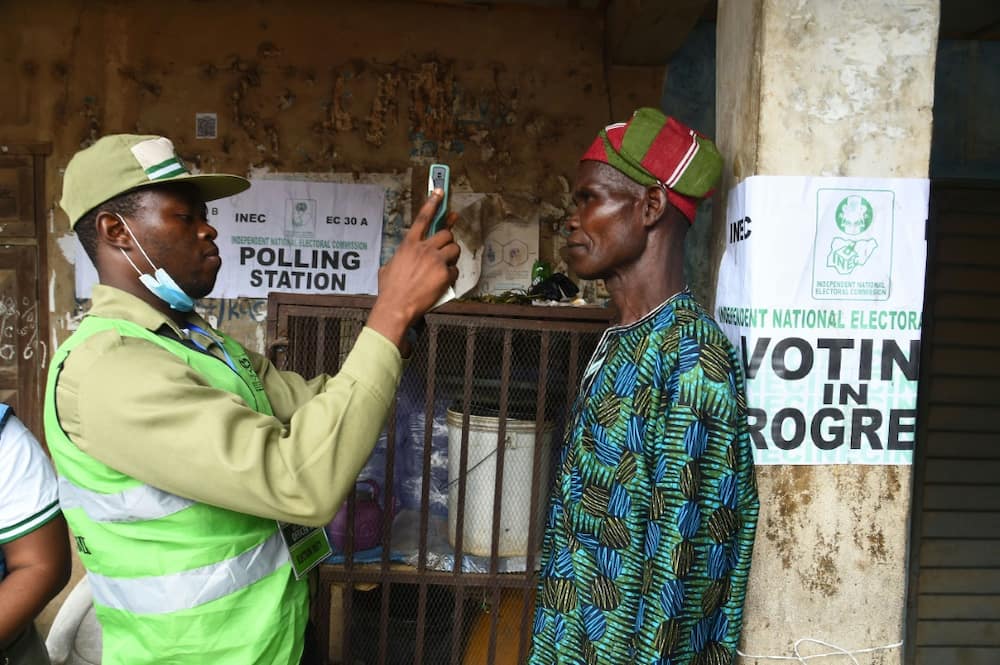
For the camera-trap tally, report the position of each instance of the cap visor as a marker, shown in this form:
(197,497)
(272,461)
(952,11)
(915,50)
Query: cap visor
(210,186)
(217,185)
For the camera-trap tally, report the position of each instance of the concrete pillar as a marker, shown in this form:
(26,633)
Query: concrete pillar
(845,88)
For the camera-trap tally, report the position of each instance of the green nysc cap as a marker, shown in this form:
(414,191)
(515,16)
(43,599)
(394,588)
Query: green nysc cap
(119,163)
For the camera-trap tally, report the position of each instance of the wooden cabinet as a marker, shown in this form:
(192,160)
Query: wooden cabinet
(453,577)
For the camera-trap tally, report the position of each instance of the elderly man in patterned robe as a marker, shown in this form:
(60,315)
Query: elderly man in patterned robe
(652,518)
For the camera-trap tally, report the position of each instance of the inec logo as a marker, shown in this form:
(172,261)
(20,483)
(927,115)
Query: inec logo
(300,218)
(853,216)
(852,257)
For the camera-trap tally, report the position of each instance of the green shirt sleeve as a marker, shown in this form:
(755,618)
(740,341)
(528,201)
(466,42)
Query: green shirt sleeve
(144,412)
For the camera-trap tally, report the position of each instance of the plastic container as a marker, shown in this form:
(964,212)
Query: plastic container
(368,516)
(508,630)
(481,471)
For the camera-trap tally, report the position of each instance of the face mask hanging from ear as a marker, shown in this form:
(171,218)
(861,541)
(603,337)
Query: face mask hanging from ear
(160,283)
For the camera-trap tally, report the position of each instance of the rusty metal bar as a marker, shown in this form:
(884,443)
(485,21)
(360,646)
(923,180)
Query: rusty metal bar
(425,482)
(370,574)
(388,497)
(463,466)
(347,646)
(418,656)
(389,486)
(320,357)
(537,481)
(513,324)
(294,351)
(319,614)
(541,425)
(314,303)
(573,371)
(349,530)
(348,564)
(463,459)
(383,623)
(527,623)
(425,487)
(498,488)
(457,623)
(491,652)
(500,450)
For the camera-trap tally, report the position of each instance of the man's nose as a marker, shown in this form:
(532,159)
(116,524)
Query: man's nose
(569,223)
(208,231)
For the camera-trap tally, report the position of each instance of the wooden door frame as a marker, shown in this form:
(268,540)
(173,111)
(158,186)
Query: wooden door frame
(40,240)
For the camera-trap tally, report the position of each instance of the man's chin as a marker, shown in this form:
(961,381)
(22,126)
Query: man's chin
(200,291)
(203,288)
(584,273)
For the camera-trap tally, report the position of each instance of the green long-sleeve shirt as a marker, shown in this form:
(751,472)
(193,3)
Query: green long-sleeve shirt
(142,411)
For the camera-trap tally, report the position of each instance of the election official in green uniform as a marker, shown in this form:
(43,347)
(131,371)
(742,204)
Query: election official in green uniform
(185,461)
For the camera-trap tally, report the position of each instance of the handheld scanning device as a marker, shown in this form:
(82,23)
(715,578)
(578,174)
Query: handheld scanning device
(438,178)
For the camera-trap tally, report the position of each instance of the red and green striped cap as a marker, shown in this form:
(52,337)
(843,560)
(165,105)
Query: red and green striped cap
(119,163)
(653,149)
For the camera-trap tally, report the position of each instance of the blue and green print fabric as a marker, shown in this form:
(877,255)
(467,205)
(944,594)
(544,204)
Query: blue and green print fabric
(652,518)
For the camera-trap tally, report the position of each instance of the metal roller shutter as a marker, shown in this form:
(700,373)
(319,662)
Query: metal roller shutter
(954,599)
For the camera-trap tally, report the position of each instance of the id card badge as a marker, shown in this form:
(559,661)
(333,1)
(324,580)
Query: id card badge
(307,546)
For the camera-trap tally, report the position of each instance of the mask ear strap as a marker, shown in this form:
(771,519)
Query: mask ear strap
(137,244)
(131,263)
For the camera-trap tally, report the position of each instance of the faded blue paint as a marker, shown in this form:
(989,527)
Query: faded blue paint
(233,309)
(422,146)
(689,95)
(689,89)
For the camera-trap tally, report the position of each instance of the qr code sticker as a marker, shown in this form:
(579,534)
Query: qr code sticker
(206,126)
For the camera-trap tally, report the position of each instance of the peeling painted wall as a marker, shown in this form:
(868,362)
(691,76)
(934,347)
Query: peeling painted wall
(845,89)
(509,96)
(849,87)
(830,561)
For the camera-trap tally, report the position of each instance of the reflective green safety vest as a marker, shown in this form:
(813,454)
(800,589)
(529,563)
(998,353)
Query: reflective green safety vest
(175,580)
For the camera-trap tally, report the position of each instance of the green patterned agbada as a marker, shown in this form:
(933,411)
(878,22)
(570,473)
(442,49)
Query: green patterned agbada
(652,519)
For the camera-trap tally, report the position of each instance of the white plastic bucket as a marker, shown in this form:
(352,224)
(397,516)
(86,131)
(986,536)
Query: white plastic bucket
(515,501)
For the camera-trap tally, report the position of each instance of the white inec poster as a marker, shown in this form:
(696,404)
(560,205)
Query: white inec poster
(821,288)
(292,236)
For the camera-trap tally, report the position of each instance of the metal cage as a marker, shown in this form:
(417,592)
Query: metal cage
(452,579)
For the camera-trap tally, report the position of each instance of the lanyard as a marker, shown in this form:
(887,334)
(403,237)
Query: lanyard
(243,368)
(202,347)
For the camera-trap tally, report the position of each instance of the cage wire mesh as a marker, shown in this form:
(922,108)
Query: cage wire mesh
(435,551)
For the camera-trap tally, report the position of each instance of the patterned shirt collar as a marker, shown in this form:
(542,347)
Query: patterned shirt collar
(685,293)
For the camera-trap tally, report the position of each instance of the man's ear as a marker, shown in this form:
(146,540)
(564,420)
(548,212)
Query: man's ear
(111,231)
(655,205)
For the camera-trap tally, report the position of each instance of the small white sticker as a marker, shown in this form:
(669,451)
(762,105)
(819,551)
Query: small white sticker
(206,126)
